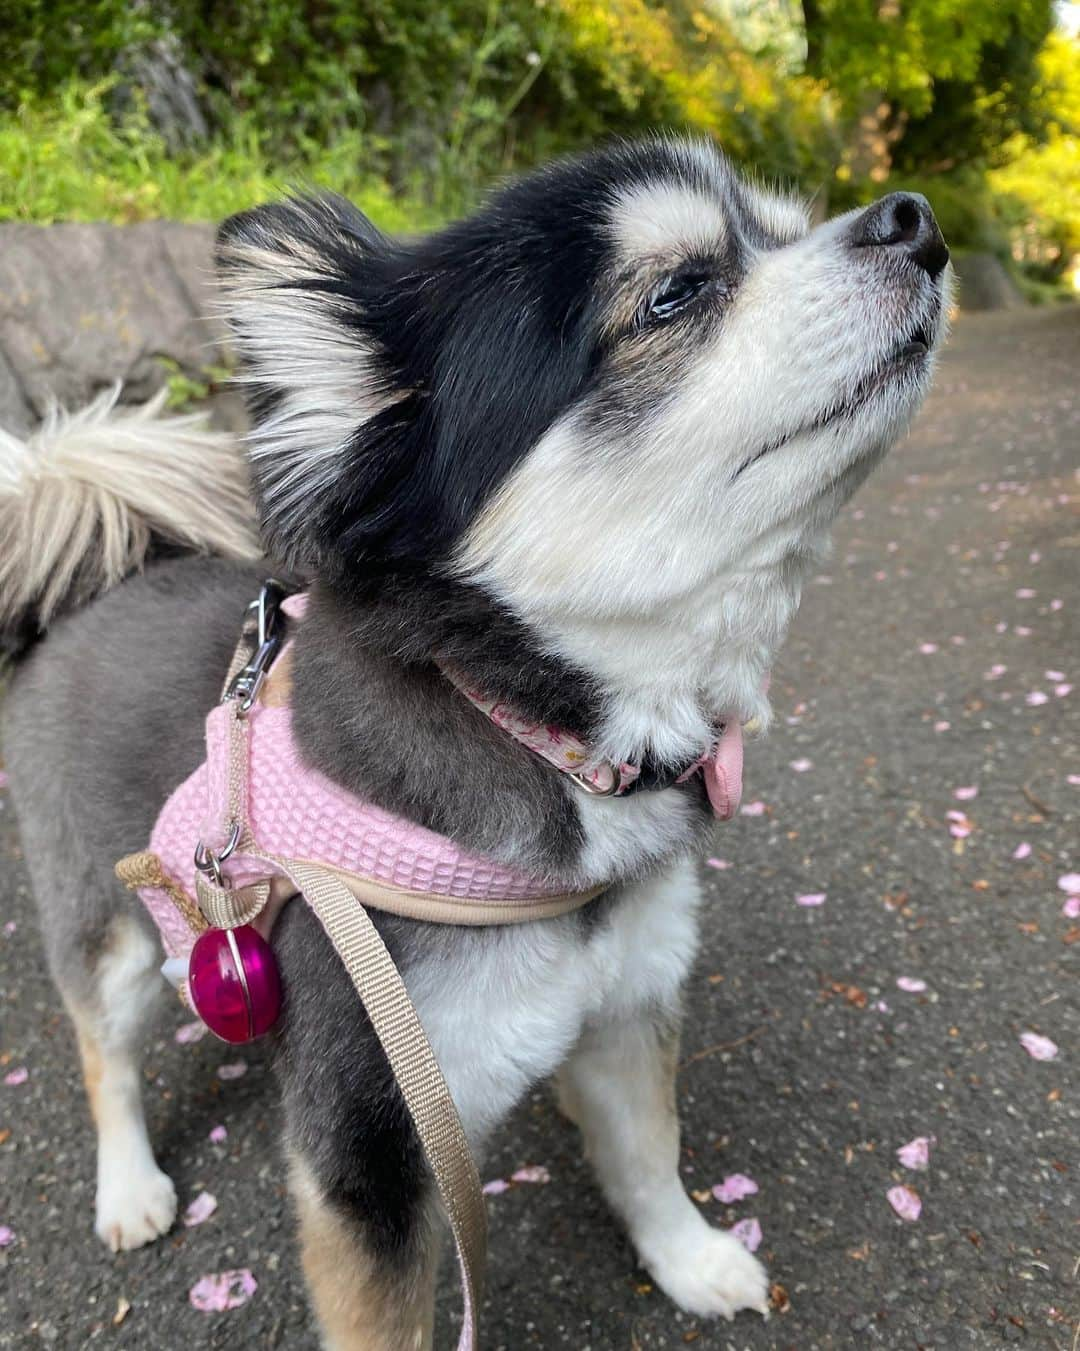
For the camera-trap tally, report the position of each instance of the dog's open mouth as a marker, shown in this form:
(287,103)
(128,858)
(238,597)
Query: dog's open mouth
(909,351)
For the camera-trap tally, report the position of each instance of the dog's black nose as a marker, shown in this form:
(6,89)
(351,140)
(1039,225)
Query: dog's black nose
(903,220)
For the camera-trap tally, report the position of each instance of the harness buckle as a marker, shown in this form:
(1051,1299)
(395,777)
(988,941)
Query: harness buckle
(264,615)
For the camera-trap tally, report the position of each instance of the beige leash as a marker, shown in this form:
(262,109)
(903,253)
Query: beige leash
(387,1004)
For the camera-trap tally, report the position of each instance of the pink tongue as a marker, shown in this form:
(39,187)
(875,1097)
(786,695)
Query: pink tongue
(723,772)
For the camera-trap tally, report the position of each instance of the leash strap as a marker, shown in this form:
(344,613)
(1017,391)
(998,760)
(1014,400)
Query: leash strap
(383,994)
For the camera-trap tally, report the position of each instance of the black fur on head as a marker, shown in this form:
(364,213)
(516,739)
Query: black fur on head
(394,384)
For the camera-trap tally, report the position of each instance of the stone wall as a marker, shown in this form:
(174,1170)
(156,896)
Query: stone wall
(82,306)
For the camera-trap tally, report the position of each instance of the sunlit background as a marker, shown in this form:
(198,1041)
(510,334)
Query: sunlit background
(121,111)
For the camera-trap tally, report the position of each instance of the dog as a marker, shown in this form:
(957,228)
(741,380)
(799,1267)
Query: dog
(583,446)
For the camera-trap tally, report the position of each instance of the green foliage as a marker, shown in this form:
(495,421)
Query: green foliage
(1039,184)
(71,160)
(186,391)
(412,107)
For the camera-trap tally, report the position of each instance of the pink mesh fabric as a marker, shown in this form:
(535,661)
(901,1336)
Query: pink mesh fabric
(297,812)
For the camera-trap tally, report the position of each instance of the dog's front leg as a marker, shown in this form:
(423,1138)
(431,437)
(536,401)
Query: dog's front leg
(619,1088)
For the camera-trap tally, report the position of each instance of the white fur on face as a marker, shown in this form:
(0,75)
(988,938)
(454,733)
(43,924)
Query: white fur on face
(657,556)
(646,221)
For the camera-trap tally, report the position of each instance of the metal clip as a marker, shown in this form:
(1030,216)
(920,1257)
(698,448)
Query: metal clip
(209,863)
(266,612)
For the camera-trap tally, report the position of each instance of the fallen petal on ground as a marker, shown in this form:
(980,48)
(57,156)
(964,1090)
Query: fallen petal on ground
(219,1291)
(916,1153)
(906,1201)
(748,1232)
(200,1209)
(734,1188)
(1038,1047)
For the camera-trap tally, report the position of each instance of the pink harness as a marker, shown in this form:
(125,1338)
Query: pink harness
(254,816)
(296,811)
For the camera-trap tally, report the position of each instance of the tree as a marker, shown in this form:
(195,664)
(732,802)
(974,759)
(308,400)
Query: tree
(930,83)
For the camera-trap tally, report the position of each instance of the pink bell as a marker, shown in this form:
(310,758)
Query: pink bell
(233,983)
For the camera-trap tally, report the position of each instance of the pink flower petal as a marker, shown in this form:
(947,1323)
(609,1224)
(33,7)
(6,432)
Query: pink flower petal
(187,1033)
(533,1173)
(748,1232)
(3,778)
(906,1201)
(916,1153)
(960,830)
(218,1135)
(811,898)
(965,794)
(1060,691)
(235,1069)
(942,726)
(1073,779)
(753,809)
(200,1209)
(1069,882)
(1022,631)
(718,863)
(912,984)
(996,671)
(734,1188)
(1054,676)
(7,1236)
(223,1290)
(495,1187)
(1025,593)
(1039,1048)
(10,926)
(1022,850)
(801,766)
(18,1076)
(1036,697)
(928,649)
(1070,907)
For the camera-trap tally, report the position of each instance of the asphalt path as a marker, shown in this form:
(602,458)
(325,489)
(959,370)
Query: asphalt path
(929,672)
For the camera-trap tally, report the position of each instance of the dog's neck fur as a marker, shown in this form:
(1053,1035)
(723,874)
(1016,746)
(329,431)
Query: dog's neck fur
(639,689)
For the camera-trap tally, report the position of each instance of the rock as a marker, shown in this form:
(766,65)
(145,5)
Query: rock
(985,284)
(82,306)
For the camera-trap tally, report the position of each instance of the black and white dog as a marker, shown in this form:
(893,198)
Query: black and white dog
(583,446)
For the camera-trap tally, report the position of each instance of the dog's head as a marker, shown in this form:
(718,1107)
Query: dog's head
(626,374)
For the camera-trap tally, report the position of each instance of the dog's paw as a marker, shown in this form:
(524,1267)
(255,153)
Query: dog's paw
(134,1208)
(712,1275)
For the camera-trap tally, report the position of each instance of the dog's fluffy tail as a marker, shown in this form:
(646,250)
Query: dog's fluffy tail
(85,497)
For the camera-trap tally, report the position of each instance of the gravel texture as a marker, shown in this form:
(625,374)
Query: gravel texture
(806,1066)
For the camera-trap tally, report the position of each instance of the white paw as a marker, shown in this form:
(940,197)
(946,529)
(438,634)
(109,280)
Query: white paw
(712,1276)
(134,1208)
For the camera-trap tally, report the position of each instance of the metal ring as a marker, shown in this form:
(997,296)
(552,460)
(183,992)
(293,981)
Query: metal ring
(209,862)
(587,786)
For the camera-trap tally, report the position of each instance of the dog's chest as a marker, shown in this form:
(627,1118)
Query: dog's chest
(504,1008)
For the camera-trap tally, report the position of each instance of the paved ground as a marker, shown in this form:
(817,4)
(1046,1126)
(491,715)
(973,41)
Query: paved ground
(807,1067)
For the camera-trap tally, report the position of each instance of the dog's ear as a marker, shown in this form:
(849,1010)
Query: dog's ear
(296,278)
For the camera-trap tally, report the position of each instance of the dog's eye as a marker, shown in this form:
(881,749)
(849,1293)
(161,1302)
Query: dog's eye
(675,294)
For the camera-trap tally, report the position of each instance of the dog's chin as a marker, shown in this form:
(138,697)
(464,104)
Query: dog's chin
(883,398)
